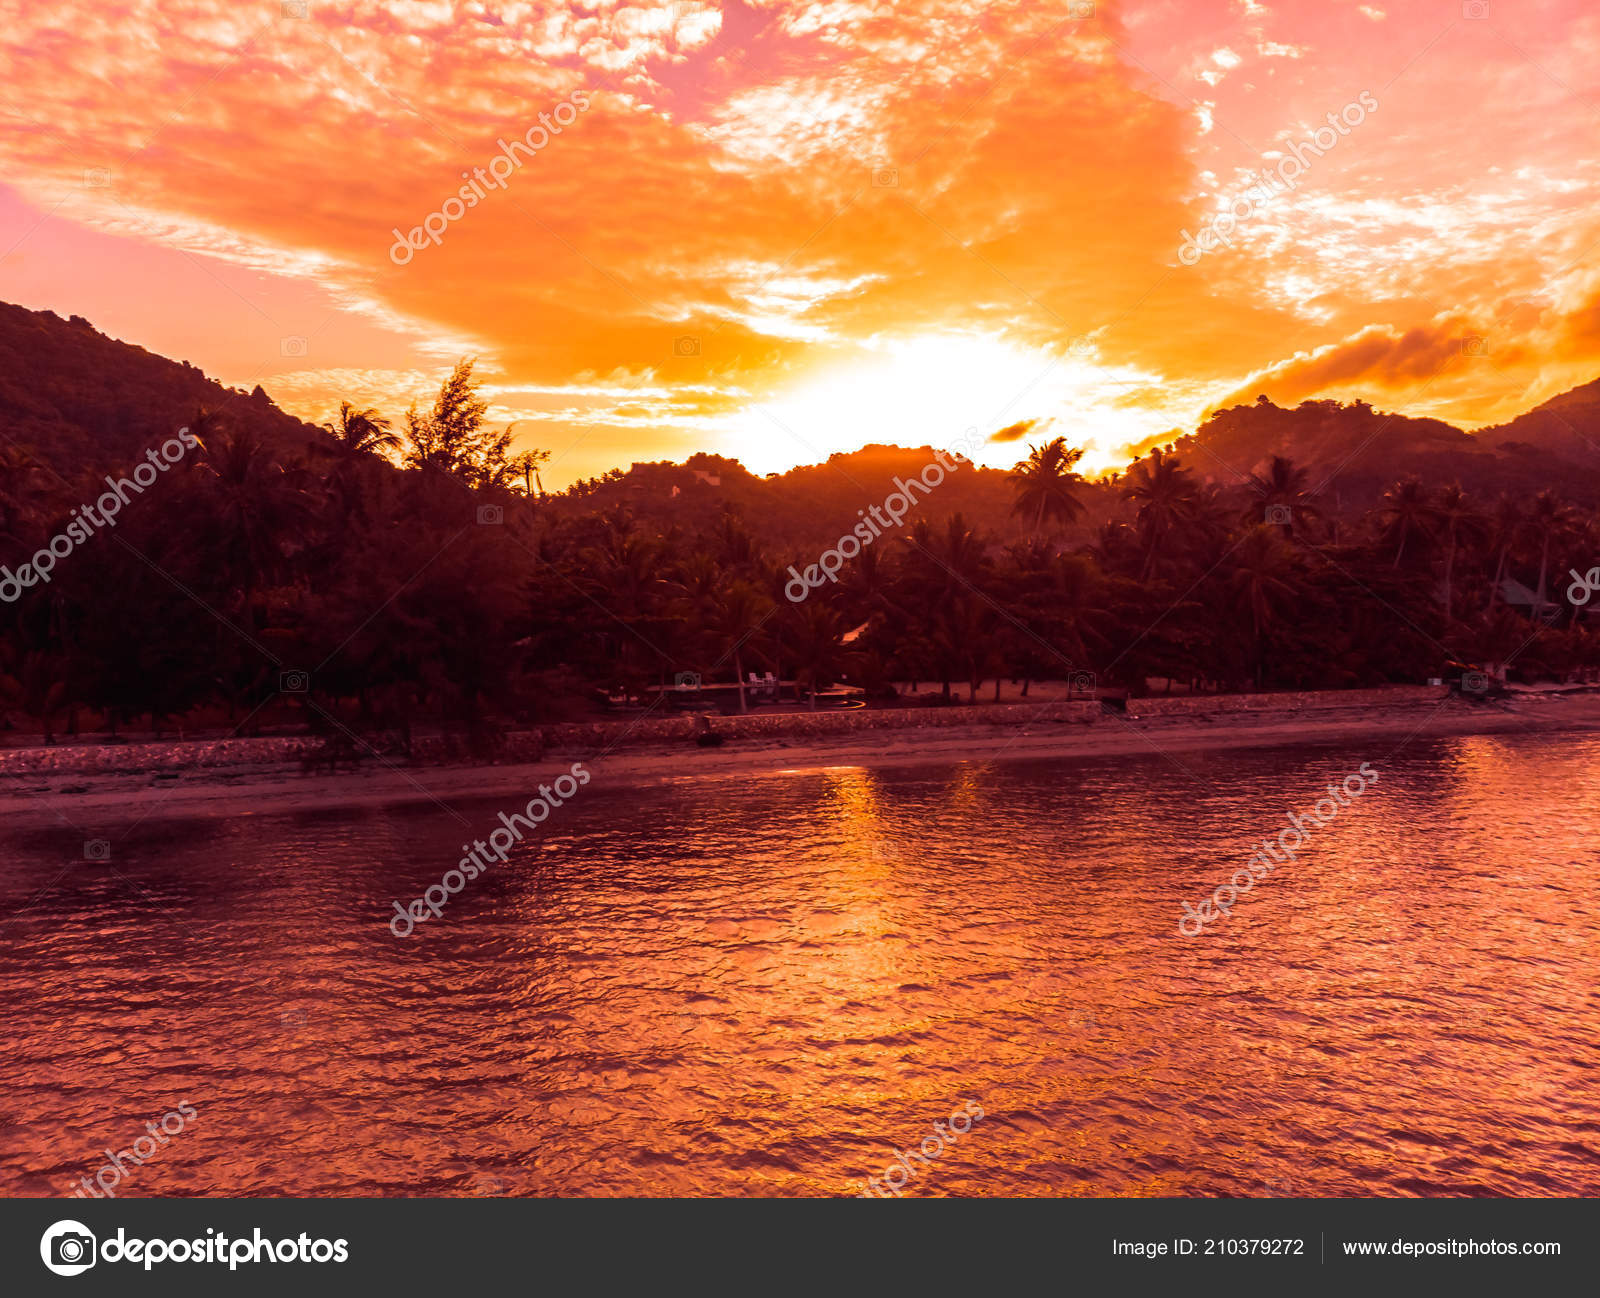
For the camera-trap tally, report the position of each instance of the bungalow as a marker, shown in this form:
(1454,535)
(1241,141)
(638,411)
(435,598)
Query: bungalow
(1527,602)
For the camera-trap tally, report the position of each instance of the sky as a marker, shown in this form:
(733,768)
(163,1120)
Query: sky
(777,230)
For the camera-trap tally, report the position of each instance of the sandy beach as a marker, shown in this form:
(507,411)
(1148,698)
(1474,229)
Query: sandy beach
(99,798)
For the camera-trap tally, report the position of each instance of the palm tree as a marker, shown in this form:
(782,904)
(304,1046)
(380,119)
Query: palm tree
(1282,496)
(737,616)
(819,653)
(258,512)
(695,578)
(1116,548)
(947,561)
(870,584)
(1055,599)
(1460,520)
(734,545)
(356,442)
(1167,496)
(1261,582)
(1550,519)
(945,573)
(362,432)
(1507,527)
(1407,512)
(627,595)
(1045,483)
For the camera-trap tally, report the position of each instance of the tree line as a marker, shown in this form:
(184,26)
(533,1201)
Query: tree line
(392,575)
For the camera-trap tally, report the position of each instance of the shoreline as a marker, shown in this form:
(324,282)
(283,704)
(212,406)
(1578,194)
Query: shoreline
(276,788)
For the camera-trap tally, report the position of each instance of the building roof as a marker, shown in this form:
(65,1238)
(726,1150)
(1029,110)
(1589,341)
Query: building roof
(1514,592)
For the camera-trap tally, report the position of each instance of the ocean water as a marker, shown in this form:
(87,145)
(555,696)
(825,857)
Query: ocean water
(770,985)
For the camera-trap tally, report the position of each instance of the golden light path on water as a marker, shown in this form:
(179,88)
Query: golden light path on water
(769,986)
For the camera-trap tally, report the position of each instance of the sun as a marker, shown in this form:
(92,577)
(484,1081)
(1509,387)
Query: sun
(930,389)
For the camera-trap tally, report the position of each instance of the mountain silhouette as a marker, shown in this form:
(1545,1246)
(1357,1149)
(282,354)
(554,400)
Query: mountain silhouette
(85,403)
(1356,452)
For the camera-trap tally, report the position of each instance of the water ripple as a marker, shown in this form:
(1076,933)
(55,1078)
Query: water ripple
(770,988)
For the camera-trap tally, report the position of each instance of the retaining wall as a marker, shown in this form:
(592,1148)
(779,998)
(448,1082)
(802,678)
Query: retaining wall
(588,739)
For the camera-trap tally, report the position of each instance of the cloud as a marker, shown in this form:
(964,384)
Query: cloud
(790,184)
(1014,432)
(1383,360)
(749,218)
(1377,356)
(1134,450)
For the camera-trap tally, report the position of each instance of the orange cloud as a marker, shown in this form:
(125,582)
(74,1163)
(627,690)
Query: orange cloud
(761,195)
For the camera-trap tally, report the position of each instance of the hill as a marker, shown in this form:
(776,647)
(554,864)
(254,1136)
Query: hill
(85,404)
(1567,426)
(82,402)
(1360,451)
(811,505)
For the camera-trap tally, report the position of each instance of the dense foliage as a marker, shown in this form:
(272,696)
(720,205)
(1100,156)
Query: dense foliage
(382,576)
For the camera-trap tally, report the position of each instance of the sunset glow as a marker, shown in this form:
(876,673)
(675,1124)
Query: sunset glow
(691,600)
(784,229)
